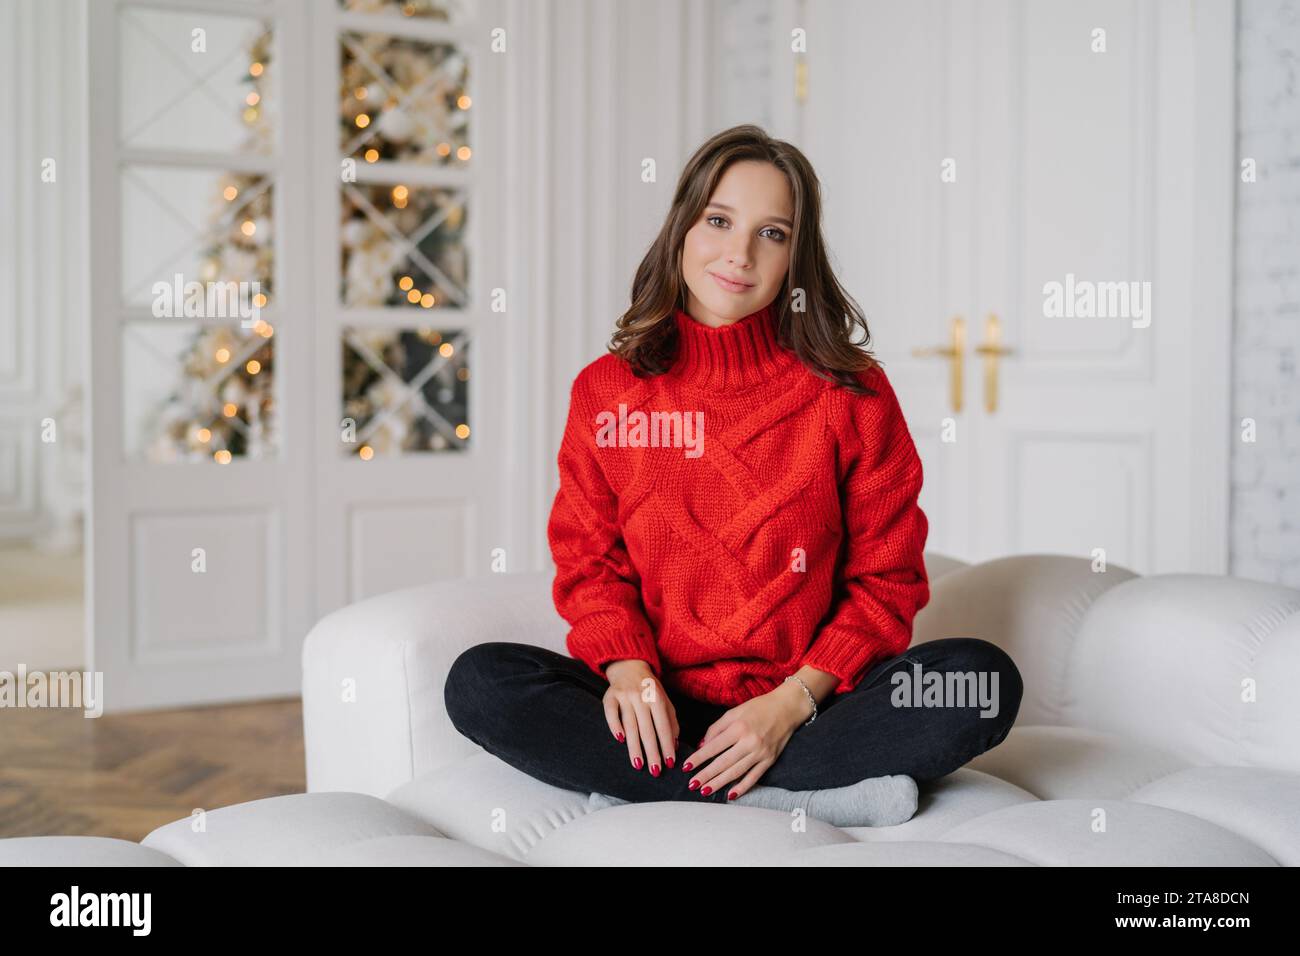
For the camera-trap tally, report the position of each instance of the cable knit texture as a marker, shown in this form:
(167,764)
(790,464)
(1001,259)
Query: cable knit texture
(786,532)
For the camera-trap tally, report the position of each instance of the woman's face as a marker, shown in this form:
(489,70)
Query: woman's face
(742,234)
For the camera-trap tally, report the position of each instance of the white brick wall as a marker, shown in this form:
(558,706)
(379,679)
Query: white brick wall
(1265,514)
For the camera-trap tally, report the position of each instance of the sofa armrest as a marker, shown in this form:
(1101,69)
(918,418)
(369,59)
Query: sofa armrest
(373,675)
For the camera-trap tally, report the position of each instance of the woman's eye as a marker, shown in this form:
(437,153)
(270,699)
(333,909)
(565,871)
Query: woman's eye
(777,234)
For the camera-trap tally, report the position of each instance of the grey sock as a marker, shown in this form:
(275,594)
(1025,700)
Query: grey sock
(599,801)
(873,802)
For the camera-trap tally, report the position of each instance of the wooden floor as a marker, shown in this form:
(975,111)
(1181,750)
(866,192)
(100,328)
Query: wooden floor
(123,775)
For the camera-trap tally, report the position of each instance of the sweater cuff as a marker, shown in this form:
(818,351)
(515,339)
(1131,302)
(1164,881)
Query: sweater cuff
(847,656)
(605,636)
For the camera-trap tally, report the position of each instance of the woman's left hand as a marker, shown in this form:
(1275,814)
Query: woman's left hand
(746,740)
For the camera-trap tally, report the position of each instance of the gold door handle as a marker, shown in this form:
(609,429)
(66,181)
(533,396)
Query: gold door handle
(954,353)
(992,350)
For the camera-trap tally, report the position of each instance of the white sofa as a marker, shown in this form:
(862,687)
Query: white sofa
(1160,726)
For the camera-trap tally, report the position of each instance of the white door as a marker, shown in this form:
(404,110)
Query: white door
(412,303)
(253,470)
(972,156)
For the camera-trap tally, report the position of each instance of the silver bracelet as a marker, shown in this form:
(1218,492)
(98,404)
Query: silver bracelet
(810,697)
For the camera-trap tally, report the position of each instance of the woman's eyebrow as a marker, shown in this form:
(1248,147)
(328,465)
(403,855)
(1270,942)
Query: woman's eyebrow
(773,218)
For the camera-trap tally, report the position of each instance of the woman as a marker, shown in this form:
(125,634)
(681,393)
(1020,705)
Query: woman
(737,540)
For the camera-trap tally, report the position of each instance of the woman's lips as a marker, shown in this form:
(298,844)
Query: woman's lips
(729,286)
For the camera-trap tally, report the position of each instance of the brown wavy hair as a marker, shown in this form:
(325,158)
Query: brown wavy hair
(820,335)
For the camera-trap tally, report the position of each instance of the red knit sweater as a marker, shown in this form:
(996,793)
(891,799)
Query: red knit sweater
(789,535)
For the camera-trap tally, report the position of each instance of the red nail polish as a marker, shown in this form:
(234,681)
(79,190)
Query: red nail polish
(706,791)
(686,767)
(732,795)
(636,762)
(669,761)
(694,784)
(620,738)
(654,770)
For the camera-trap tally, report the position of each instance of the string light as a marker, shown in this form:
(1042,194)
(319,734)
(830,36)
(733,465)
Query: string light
(204,435)
(248,227)
(426,300)
(230,192)
(253,366)
(222,456)
(259,300)
(463,101)
(253,98)
(365,453)
(223,355)
(230,409)
(255,69)
(360,92)
(413,296)
(372,155)
(446,349)
(444,149)
(405,283)
(463,153)
(362,120)
(462,431)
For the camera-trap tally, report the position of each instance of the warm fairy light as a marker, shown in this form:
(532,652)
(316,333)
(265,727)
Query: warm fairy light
(366,453)
(444,149)
(263,328)
(446,349)
(255,70)
(463,101)
(360,92)
(230,409)
(250,115)
(405,283)
(253,98)
(372,155)
(362,120)
(400,192)
(426,300)
(462,431)
(205,435)
(222,456)
(223,355)
(253,366)
(259,300)
(463,153)
(462,373)
(413,296)
(408,9)
(248,227)
(399,203)
(230,192)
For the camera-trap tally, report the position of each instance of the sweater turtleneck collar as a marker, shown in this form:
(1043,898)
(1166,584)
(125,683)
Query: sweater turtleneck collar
(739,355)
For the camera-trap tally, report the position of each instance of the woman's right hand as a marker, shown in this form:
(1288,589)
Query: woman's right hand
(639,711)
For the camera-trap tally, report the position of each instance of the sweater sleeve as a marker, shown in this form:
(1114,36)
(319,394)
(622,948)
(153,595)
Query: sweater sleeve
(596,588)
(883,583)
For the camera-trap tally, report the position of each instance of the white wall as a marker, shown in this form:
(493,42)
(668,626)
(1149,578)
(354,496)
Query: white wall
(43,276)
(1266,340)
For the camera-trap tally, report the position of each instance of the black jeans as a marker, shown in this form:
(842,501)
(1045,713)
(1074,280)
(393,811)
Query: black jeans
(541,712)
